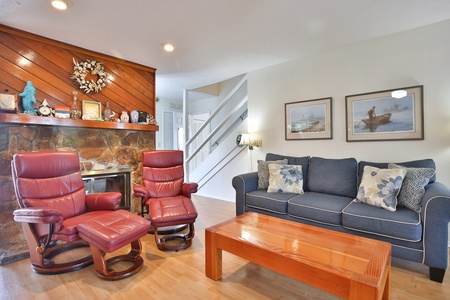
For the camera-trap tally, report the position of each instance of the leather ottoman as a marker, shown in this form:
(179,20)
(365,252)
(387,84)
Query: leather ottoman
(110,232)
(170,212)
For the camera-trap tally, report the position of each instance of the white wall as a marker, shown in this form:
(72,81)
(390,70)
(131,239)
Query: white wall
(416,57)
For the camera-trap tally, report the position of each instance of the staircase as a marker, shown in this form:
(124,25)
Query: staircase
(224,124)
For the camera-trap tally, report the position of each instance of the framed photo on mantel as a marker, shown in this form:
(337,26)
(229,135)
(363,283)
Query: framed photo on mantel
(92,110)
(309,119)
(8,102)
(385,116)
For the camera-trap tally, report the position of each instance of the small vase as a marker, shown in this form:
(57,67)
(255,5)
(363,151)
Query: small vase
(124,117)
(75,112)
(107,112)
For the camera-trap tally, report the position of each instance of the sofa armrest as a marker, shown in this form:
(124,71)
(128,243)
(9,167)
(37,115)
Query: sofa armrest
(103,201)
(189,188)
(435,216)
(243,184)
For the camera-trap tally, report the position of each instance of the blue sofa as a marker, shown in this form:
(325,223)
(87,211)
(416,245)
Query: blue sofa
(330,187)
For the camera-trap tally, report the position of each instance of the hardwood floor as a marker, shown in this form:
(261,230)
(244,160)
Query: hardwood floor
(181,275)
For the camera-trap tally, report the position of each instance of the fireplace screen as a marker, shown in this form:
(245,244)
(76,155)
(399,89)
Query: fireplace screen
(117,180)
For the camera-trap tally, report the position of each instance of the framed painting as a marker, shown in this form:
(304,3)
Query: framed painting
(309,119)
(92,110)
(8,102)
(385,115)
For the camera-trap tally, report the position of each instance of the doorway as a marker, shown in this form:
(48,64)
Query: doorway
(172,127)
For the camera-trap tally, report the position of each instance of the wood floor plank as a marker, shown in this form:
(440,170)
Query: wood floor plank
(181,275)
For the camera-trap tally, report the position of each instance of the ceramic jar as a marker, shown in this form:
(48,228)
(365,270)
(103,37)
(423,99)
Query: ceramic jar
(124,117)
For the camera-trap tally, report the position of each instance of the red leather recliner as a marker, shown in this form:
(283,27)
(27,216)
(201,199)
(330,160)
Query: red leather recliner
(52,200)
(165,196)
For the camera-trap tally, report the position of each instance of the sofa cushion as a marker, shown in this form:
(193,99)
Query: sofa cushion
(403,224)
(303,161)
(422,163)
(380,187)
(318,207)
(413,187)
(276,202)
(332,176)
(285,179)
(263,172)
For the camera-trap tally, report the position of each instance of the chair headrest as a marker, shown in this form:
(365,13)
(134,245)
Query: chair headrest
(45,164)
(162,158)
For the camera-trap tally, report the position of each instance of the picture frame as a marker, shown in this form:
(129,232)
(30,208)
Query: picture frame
(92,110)
(308,119)
(8,102)
(379,116)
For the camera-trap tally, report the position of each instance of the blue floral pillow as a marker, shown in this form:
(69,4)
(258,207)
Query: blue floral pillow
(380,187)
(285,179)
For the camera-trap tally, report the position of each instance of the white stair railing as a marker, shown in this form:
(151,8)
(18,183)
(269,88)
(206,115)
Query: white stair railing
(223,128)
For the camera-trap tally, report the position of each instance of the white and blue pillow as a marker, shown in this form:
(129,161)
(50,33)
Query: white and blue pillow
(285,179)
(380,187)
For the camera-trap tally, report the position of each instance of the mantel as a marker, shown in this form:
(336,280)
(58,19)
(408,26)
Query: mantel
(25,119)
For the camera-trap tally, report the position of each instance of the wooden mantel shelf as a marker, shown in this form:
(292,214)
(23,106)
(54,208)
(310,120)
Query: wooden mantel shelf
(50,121)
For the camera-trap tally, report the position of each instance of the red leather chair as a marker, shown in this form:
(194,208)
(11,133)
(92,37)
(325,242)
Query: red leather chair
(166,197)
(52,200)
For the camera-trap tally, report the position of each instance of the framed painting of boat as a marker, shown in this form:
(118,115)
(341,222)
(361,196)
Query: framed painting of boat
(385,115)
(309,119)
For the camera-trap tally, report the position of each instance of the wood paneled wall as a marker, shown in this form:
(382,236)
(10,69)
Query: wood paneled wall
(49,65)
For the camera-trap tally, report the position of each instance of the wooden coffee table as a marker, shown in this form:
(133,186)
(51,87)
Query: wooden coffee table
(348,266)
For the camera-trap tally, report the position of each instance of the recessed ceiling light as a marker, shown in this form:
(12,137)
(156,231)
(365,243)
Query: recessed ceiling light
(168,47)
(61,4)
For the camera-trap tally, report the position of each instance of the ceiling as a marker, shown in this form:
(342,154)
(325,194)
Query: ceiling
(217,39)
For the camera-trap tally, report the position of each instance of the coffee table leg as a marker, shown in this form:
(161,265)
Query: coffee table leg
(213,257)
(361,290)
(387,286)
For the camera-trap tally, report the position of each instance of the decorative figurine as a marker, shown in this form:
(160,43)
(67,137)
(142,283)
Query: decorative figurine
(124,117)
(28,98)
(151,120)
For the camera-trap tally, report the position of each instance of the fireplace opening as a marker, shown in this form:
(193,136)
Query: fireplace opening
(111,180)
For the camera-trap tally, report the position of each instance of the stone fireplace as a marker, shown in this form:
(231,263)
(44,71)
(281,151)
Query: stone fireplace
(100,151)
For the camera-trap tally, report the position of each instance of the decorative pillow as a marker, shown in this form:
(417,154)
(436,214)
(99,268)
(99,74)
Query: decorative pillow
(333,176)
(285,179)
(263,172)
(380,187)
(413,187)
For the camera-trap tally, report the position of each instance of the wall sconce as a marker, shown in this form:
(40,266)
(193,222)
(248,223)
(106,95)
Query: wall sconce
(244,139)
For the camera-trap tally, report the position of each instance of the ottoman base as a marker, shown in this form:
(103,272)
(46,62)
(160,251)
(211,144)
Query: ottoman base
(102,266)
(110,232)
